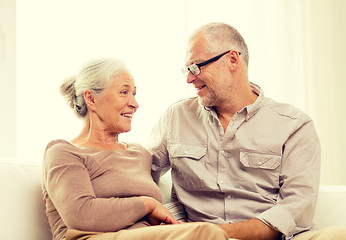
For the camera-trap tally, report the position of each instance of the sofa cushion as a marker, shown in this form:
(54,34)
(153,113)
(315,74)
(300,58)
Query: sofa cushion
(22,212)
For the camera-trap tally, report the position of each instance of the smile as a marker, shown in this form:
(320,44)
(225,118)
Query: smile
(199,88)
(128,115)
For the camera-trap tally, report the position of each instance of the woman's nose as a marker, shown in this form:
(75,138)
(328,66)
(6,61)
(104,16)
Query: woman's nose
(133,103)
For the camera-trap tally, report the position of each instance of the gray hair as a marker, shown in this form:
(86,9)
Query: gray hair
(94,75)
(222,37)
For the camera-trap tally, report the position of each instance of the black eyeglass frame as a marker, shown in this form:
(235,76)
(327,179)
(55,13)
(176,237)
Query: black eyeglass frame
(198,66)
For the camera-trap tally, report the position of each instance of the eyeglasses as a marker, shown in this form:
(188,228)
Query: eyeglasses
(195,68)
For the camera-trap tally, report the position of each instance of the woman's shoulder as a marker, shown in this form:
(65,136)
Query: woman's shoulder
(139,149)
(136,146)
(60,147)
(58,144)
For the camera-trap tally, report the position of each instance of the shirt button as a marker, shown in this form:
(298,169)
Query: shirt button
(229,196)
(186,151)
(221,182)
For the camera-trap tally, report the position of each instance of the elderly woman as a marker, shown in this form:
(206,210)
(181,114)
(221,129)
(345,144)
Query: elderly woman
(96,187)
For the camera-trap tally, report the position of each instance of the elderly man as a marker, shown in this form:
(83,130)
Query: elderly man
(238,158)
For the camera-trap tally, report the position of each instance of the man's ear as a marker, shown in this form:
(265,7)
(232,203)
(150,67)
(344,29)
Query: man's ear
(234,59)
(89,99)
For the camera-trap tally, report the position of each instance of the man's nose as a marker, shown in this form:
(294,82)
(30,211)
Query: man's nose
(190,77)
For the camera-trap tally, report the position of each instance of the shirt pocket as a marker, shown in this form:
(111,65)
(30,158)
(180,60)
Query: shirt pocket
(192,151)
(260,172)
(188,165)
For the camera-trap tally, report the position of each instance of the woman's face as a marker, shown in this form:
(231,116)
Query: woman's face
(117,105)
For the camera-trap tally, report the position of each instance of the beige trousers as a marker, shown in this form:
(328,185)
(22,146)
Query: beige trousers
(188,231)
(329,233)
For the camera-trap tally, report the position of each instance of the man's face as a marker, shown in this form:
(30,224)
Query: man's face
(210,84)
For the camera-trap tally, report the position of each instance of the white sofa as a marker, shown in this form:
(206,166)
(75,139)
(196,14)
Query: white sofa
(22,213)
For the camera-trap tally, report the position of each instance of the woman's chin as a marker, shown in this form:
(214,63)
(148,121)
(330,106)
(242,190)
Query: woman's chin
(127,129)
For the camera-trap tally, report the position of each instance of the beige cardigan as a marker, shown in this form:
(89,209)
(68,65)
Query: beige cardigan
(95,190)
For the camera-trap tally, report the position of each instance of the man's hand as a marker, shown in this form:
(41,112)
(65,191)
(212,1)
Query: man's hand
(250,230)
(157,213)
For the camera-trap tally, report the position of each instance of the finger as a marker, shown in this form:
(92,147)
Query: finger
(153,220)
(171,220)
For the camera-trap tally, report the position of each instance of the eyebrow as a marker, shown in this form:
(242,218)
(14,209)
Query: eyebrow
(128,86)
(195,61)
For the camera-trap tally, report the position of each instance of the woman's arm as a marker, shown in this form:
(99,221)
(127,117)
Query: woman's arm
(68,183)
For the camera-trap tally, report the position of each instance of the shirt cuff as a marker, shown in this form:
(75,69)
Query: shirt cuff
(279,219)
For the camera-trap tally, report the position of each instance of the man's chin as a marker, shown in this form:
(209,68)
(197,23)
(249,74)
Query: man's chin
(205,101)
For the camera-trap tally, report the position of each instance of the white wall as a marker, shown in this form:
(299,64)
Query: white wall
(56,37)
(7,79)
(325,78)
(285,39)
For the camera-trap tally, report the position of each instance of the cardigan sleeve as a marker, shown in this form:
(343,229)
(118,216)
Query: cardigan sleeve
(70,189)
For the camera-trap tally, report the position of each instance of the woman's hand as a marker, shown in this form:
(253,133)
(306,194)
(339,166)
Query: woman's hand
(156,212)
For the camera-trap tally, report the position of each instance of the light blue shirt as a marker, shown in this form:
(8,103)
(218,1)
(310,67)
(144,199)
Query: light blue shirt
(265,165)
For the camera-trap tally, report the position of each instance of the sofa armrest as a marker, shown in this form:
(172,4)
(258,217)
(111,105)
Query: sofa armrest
(331,208)
(21,203)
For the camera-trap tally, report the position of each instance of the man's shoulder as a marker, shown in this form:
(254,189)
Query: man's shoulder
(183,110)
(186,104)
(285,110)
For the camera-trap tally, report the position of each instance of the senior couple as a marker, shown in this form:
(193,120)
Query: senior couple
(243,166)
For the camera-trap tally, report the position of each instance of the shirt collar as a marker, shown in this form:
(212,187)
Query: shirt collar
(252,109)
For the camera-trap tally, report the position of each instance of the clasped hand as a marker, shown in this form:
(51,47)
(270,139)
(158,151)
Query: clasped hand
(157,213)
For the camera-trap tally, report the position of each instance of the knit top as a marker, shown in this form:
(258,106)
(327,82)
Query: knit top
(96,190)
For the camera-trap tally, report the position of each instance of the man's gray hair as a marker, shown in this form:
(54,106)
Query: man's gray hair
(222,37)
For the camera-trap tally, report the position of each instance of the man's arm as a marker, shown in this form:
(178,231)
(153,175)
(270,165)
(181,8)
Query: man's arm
(299,182)
(157,146)
(250,229)
(296,201)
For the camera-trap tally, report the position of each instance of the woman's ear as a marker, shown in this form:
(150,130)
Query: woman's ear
(89,99)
